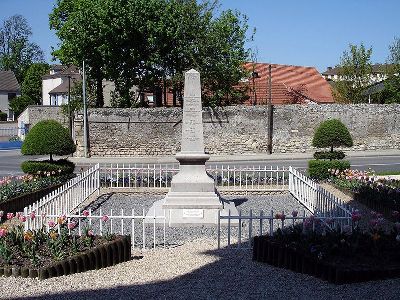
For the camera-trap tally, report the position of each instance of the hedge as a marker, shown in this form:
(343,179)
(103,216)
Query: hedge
(329,155)
(318,169)
(58,167)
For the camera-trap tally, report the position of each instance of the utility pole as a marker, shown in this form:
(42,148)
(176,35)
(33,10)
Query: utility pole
(85,129)
(270,113)
(69,106)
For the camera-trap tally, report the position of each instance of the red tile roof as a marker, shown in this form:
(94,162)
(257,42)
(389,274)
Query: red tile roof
(289,84)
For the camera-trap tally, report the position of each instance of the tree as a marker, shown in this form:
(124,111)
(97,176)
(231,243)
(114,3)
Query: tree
(332,133)
(17,53)
(150,43)
(32,84)
(391,92)
(354,73)
(48,137)
(18,104)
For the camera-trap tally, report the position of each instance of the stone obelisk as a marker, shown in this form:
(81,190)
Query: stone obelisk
(192,198)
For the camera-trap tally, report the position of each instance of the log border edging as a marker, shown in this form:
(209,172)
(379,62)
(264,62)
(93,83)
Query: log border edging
(102,256)
(273,253)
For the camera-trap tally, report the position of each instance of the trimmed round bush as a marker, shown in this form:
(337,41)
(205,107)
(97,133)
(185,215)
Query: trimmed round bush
(56,168)
(318,169)
(332,133)
(48,137)
(329,155)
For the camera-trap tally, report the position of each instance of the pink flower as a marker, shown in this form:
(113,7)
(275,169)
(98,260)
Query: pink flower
(22,219)
(295,213)
(52,224)
(3,232)
(104,218)
(85,213)
(71,225)
(90,232)
(32,215)
(18,214)
(10,216)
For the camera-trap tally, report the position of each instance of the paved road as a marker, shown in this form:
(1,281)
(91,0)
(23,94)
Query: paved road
(11,160)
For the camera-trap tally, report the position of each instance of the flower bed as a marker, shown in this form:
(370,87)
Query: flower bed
(53,251)
(339,256)
(12,187)
(382,195)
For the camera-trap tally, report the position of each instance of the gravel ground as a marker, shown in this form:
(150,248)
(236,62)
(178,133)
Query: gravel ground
(179,235)
(195,270)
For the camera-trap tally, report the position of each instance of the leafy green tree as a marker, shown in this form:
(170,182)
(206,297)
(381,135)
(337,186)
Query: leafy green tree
(18,104)
(48,137)
(32,84)
(391,93)
(332,133)
(150,43)
(355,69)
(17,53)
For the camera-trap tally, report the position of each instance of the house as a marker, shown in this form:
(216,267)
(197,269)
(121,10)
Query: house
(56,84)
(378,73)
(289,84)
(61,79)
(9,89)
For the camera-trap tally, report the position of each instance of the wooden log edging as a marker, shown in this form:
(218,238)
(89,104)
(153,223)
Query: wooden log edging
(275,254)
(102,256)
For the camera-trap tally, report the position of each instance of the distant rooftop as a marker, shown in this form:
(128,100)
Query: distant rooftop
(8,82)
(376,69)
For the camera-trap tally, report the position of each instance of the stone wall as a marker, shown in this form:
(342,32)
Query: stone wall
(237,129)
(35,113)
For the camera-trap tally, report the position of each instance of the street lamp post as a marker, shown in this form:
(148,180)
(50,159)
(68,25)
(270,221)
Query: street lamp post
(69,106)
(254,75)
(270,113)
(85,127)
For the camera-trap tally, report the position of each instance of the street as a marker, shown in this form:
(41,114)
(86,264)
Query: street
(10,161)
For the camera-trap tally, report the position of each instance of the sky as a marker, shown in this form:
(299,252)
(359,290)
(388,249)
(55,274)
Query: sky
(292,32)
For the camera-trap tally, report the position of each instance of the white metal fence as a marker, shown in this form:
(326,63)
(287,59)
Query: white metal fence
(315,198)
(140,227)
(254,178)
(326,209)
(247,226)
(66,198)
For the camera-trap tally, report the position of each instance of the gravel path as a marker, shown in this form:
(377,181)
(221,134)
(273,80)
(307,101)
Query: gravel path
(179,235)
(194,270)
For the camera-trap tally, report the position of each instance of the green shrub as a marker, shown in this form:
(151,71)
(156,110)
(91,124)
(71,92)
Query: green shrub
(318,169)
(44,167)
(48,137)
(329,155)
(332,133)
(3,116)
